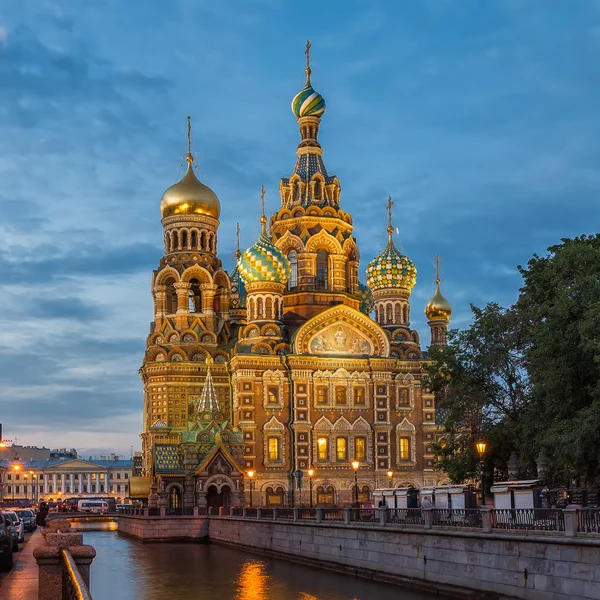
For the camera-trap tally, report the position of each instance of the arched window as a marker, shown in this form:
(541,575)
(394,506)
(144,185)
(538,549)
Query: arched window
(171,297)
(326,496)
(389,315)
(259,308)
(195,239)
(195,297)
(293,280)
(272,395)
(322,269)
(275,497)
(184,238)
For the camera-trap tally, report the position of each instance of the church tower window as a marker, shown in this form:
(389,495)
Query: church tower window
(322,269)
(293,280)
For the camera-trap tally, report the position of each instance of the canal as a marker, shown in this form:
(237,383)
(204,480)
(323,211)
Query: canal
(128,570)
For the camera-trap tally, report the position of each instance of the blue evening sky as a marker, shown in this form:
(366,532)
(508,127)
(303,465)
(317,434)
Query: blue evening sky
(479,117)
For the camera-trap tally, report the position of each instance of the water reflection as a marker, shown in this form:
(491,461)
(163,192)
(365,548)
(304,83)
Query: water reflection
(127,570)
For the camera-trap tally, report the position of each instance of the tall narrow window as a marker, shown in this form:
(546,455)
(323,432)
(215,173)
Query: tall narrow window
(321,395)
(322,269)
(293,280)
(272,395)
(340,395)
(273,449)
(404,448)
(360,444)
(323,448)
(359,395)
(341,447)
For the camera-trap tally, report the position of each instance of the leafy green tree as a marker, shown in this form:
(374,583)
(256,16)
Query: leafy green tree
(561,298)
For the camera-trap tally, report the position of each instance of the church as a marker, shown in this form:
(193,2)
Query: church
(287,381)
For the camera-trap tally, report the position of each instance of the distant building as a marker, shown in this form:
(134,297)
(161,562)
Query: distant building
(17,452)
(53,479)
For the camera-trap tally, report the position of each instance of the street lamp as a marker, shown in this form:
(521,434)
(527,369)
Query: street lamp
(16,469)
(481,446)
(390,474)
(355,465)
(33,484)
(251,475)
(311,472)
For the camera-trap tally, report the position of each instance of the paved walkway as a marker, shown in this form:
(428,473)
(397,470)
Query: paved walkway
(22,582)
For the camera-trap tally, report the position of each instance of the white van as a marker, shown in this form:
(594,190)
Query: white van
(92,506)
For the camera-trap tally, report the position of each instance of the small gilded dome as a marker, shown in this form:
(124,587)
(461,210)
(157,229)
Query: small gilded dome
(391,269)
(438,308)
(189,196)
(264,262)
(308,103)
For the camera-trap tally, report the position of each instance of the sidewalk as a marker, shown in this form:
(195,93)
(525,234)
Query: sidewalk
(22,582)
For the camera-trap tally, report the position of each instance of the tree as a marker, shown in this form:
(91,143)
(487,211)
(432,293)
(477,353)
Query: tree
(481,387)
(527,378)
(561,298)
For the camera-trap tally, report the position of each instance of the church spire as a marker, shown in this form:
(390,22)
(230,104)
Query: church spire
(208,399)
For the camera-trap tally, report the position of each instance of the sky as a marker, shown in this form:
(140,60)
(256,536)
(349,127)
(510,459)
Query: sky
(480,119)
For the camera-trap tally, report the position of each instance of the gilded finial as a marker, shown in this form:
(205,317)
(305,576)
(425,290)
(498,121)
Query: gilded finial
(190,156)
(307,54)
(263,219)
(390,229)
(437,262)
(237,241)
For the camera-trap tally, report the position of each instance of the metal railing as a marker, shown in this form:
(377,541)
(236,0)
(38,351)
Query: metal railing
(182,511)
(589,520)
(74,586)
(333,514)
(457,517)
(530,519)
(364,515)
(406,516)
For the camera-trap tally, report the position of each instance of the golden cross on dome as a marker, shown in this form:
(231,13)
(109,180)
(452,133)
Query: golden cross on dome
(437,262)
(307,54)
(390,229)
(237,241)
(263,219)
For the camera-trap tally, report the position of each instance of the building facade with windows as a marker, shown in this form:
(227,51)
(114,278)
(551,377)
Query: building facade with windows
(288,362)
(53,480)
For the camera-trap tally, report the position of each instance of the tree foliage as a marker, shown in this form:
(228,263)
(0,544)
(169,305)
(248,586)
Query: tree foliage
(527,378)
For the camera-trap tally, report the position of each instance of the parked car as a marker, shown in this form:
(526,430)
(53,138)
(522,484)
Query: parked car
(28,519)
(6,545)
(93,506)
(17,524)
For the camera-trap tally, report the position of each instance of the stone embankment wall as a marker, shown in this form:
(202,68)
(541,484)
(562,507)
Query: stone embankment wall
(165,529)
(465,563)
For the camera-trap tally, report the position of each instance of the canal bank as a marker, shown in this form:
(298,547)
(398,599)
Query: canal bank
(461,562)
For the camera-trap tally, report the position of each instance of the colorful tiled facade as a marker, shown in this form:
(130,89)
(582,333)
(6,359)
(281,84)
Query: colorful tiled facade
(299,374)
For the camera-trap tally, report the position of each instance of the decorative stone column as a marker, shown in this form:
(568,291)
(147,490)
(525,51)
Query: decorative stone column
(160,302)
(338,272)
(209,291)
(307,270)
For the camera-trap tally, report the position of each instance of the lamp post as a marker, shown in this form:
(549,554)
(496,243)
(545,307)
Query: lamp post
(33,484)
(251,475)
(355,465)
(481,446)
(16,469)
(311,472)
(390,474)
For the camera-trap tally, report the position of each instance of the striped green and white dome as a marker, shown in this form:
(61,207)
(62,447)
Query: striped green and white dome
(264,262)
(308,103)
(391,269)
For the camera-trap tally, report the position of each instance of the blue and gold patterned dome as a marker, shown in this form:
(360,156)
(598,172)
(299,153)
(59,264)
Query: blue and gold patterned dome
(391,269)
(308,103)
(264,262)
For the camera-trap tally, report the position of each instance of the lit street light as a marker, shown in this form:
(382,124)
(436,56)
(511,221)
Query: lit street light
(390,474)
(481,446)
(251,475)
(311,472)
(355,465)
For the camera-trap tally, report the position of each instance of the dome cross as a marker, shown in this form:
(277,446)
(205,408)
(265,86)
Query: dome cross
(263,219)
(390,229)
(308,70)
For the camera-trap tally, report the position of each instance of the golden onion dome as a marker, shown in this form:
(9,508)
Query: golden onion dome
(438,308)
(189,196)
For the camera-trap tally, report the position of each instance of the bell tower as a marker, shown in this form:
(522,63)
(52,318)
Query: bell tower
(310,227)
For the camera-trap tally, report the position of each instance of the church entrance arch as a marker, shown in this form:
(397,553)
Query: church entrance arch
(215,498)
(175,498)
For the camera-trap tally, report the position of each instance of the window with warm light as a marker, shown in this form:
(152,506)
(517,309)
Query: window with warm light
(340,395)
(272,395)
(403,397)
(360,448)
(273,449)
(323,448)
(404,448)
(341,448)
(321,395)
(359,396)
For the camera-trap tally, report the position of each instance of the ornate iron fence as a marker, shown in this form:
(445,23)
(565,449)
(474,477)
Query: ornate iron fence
(589,520)
(533,519)
(406,516)
(457,517)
